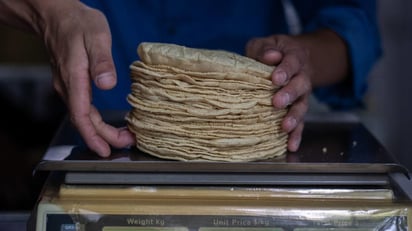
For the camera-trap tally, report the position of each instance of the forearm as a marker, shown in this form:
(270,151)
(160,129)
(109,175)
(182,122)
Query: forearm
(328,55)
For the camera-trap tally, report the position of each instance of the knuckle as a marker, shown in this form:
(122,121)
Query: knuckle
(57,86)
(251,42)
(307,86)
(252,47)
(74,119)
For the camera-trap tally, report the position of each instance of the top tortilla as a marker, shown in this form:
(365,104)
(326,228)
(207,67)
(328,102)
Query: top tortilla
(201,60)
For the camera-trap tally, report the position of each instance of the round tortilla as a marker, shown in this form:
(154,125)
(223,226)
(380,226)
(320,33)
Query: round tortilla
(194,104)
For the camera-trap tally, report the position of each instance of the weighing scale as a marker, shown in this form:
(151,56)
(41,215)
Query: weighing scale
(340,179)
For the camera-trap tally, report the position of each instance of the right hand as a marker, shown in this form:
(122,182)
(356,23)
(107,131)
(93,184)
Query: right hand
(293,75)
(79,42)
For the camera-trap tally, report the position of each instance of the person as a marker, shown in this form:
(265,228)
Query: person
(92,43)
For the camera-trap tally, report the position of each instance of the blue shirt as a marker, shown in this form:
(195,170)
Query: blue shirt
(228,25)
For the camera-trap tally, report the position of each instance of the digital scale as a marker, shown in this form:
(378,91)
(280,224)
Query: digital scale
(340,179)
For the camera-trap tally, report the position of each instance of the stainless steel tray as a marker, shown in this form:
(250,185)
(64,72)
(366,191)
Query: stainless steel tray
(331,144)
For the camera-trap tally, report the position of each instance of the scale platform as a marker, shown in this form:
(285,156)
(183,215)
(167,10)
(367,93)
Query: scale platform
(341,178)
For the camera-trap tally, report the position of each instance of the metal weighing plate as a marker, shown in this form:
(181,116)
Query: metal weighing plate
(333,145)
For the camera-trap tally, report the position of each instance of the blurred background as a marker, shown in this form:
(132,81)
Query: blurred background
(31,110)
(389,108)
(30,114)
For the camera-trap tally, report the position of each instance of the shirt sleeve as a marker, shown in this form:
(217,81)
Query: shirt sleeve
(355,22)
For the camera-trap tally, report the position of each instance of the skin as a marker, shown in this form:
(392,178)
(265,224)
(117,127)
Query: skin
(302,62)
(79,43)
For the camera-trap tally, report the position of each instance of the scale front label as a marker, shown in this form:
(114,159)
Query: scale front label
(104,222)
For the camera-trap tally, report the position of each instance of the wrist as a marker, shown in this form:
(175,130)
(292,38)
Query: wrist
(33,15)
(16,14)
(46,12)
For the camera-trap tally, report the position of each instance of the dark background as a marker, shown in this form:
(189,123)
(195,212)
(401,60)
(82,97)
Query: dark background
(31,111)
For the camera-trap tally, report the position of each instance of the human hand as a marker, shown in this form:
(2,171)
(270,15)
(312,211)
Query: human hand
(79,42)
(293,73)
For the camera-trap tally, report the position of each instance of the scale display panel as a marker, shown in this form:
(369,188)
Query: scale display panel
(78,208)
(223,223)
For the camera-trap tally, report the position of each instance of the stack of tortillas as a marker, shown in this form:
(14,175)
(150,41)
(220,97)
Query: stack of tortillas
(196,104)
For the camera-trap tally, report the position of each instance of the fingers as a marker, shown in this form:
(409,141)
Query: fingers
(295,138)
(76,81)
(281,51)
(102,72)
(87,130)
(117,137)
(295,114)
(294,62)
(263,50)
(292,74)
(80,49)
(297,87)
(97,134)
(294,121)
(295,94)
(98,47)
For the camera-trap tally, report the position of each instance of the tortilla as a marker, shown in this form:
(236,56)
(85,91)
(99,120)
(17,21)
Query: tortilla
(194,104)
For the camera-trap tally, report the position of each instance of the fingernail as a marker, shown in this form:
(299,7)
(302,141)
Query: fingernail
(105,79)
(284,99)
(280,78)
(291,123)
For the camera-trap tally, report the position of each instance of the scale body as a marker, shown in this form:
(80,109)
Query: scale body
(340,179)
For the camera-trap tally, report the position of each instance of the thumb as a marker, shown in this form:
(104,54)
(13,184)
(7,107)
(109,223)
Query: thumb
(102,69)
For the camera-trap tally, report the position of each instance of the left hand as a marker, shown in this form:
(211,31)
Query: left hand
(293,73)
(79,42)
